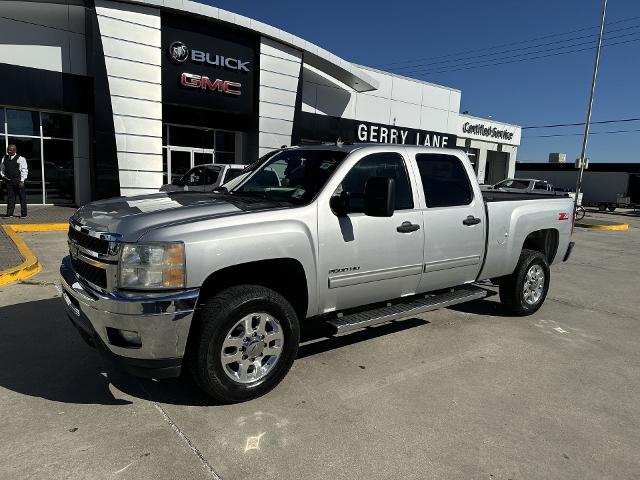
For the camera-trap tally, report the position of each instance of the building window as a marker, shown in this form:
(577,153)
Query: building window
(45,140)
(186,147)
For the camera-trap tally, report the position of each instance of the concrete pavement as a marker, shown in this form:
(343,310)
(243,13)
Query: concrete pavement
(458,393)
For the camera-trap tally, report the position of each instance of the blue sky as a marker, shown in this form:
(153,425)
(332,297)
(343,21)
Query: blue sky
(539,92)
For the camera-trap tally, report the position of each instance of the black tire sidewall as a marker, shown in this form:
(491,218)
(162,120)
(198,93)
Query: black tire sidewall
(246,300)
(535,259)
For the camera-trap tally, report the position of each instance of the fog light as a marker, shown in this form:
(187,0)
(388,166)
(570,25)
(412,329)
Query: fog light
(124,338)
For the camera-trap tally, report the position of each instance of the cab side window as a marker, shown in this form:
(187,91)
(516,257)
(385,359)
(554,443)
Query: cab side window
(211,175)
(377,165)
(444,180)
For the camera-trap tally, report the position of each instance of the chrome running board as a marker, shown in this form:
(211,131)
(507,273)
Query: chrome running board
(394,311)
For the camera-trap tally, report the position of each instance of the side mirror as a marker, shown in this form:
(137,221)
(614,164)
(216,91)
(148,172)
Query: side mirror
(340,204)
(380,197)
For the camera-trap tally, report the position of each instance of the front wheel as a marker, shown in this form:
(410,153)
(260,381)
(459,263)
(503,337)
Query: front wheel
(244,342)
(524,291)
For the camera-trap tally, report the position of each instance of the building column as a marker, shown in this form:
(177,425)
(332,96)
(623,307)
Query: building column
(81,159)
(481,163)
(280,69)
(131,42)
(511,168)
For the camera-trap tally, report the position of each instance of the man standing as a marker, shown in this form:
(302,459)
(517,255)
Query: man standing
(13,170)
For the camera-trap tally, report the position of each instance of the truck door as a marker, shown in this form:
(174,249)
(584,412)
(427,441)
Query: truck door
(454,222)
(366,259)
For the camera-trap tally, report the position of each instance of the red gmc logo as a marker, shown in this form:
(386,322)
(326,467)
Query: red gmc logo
(563,216)
(205,83)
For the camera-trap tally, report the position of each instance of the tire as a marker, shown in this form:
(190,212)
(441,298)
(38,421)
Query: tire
(611,208)
(580,213)
(602,207)
(512,287)
(241,306)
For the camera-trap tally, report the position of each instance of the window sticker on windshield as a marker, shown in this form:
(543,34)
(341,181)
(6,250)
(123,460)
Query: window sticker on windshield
(298,193)
(325,165)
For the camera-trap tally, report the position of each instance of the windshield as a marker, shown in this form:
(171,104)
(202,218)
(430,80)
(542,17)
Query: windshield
(294,176)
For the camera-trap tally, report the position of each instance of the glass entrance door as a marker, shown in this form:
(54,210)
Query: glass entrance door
(182,159)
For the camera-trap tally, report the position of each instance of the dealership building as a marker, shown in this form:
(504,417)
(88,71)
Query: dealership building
(108,98)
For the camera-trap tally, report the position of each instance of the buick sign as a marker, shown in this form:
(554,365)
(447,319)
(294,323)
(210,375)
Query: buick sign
(178,52)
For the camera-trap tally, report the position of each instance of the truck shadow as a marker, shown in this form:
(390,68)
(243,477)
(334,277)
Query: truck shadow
(44,356)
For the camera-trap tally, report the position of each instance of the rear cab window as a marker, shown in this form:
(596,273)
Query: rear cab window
(444,180)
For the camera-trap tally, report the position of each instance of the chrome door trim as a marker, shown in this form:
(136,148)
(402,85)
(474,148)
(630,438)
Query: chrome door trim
(348,279)
(438,265)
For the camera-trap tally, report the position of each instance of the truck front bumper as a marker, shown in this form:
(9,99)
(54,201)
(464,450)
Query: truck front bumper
(160,320)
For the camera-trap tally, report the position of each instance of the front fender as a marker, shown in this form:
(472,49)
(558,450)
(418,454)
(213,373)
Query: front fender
(214,244)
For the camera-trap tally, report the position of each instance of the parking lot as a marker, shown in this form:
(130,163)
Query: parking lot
(464,392)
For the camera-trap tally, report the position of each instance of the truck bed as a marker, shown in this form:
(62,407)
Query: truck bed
(497,196)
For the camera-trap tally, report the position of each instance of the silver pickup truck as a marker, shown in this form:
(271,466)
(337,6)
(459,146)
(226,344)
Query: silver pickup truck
(349,235)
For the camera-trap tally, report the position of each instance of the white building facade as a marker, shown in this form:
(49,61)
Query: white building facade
(109,98)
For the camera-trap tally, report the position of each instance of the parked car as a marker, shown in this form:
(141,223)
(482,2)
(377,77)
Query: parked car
(204,178)
(522,185)
(350,236)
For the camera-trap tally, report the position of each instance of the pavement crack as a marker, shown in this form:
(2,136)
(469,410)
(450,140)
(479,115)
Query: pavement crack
(185,439)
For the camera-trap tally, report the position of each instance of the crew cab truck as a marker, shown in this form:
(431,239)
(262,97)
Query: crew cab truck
(350,235)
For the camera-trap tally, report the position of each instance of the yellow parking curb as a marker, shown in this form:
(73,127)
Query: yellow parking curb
(30,266)
(595,226)
(39,227)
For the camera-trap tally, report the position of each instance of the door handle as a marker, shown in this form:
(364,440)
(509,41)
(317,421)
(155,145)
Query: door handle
(471,220)
(408,227)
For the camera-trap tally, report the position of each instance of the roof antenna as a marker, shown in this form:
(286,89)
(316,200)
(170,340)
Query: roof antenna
(339,142)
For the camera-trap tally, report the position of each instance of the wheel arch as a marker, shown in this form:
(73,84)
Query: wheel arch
(545,241)
(283,275)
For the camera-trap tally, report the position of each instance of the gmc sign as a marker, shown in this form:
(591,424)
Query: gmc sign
(205,83)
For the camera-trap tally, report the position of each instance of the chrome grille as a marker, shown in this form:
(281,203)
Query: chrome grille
(88,242)
(92,274)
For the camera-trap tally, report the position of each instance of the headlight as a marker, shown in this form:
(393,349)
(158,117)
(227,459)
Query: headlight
(152,266)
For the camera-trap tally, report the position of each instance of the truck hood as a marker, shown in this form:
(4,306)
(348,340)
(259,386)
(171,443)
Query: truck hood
(131,217)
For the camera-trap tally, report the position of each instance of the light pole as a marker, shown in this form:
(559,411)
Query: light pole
(588,122)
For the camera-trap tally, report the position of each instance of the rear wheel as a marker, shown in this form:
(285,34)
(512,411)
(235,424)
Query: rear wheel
(245,342)
(611,208)
(602,207)
(524,291)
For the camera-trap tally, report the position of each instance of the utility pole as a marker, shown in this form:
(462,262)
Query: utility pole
(583,154)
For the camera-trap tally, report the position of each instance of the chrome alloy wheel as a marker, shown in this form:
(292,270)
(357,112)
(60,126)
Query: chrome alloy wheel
(252,347)
(533,285)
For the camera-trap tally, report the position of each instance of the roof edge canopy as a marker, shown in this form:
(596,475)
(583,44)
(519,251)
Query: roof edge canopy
(317,57)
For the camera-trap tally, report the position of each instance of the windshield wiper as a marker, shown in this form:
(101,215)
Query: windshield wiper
(265,196)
